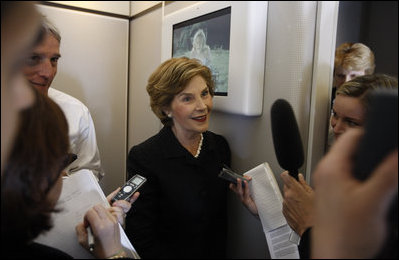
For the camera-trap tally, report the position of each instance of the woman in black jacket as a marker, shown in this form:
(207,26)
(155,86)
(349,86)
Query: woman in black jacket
(182,208)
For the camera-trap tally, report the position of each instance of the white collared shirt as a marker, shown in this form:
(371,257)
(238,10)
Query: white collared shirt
(82,134)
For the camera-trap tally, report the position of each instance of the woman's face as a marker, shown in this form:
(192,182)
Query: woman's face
(347,112)
(191,108)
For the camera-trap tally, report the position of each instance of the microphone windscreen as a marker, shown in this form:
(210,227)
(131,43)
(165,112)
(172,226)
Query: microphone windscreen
(286,137)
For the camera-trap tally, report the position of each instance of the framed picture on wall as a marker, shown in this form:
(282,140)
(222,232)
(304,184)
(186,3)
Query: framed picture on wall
(206,38)
(229,38)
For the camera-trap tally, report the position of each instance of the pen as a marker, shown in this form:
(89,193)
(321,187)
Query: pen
(90,239)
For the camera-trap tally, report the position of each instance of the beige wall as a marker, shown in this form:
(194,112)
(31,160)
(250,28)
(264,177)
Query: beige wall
(94,69)
(144,31)
(115,7)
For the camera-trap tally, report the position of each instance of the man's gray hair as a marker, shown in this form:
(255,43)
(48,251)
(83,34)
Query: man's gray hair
(48,27)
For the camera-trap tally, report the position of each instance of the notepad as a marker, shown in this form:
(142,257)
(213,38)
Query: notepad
(80,192)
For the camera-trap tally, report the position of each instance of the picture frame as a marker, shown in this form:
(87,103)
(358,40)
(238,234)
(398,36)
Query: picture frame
(230,38)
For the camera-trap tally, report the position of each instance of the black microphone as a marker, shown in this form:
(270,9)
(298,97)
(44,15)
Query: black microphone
(286,138)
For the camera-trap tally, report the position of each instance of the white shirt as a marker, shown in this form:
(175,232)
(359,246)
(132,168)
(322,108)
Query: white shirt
(82,134)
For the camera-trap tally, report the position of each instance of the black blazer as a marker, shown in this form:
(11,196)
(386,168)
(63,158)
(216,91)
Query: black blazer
(181,211)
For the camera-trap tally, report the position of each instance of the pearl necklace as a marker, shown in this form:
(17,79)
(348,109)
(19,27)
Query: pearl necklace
(199,147)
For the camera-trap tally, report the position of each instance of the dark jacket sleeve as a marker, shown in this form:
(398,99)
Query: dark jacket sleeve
(142,219)
(304,245)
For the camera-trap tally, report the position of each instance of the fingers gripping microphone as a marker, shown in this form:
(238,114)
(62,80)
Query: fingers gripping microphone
(286,138)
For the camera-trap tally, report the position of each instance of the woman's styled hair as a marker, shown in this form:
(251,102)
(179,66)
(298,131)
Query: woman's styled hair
(172,77)
(36,161)
(354,56)
(360,86)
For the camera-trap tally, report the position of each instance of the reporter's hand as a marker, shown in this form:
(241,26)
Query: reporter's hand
(298,204)
(350,214)
(244,195)
(105,231)
(120,208)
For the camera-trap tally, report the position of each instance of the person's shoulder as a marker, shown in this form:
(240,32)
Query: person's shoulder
(218,143)
(63,98)
(147,147)
(215,136)
(216,139)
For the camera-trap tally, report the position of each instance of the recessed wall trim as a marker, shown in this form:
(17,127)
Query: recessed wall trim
(81,9)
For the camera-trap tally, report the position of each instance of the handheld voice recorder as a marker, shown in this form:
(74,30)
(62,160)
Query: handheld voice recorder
(129,188)
(231,176)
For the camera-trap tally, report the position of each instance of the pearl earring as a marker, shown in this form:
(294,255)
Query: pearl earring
(170,115)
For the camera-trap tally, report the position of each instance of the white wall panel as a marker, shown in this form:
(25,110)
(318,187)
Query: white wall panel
(326,28)
(93,68)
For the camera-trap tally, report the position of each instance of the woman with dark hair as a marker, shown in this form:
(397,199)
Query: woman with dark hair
(32,183)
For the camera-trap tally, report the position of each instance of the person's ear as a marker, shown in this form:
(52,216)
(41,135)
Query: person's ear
(167,112)
(170,115)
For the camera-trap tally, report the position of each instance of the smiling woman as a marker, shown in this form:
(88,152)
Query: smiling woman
(182,210)
(190,112)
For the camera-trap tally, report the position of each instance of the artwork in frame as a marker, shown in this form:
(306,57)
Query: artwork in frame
(206,38)
(230,38)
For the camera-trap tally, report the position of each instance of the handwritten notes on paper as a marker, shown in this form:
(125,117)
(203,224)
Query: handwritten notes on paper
(80,192)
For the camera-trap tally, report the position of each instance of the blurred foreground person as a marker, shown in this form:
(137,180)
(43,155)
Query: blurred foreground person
(350,219)
(32,184)
(17,38)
